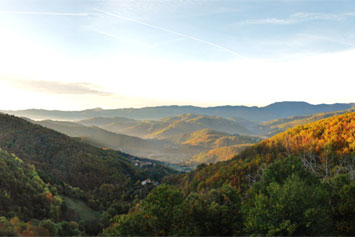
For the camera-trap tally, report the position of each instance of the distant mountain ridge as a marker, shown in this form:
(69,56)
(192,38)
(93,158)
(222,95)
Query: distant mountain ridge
(257,114)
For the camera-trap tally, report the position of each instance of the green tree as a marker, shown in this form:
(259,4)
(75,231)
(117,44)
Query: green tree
(343,202)
(6,228)
(50,226)
(161,213)
(68,229)
(285,203)
(216,213)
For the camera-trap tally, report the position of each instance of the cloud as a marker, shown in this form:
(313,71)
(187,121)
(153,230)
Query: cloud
(44,13)
(271,21)
(55,87)
(298,17)
(172,32)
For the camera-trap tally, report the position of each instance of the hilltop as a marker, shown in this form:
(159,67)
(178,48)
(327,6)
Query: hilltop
(276,126)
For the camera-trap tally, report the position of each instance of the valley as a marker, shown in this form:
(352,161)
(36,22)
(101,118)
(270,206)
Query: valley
(174,140)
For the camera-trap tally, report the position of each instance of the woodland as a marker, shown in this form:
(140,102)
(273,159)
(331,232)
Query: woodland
(292,176)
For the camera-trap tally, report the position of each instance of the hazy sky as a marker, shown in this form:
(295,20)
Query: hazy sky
(78,54)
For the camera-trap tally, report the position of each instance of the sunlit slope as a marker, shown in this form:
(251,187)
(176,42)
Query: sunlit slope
(276,126)
(221,146)
(218,154)
(326,145)
(213,139)
(335,135)
(171,127)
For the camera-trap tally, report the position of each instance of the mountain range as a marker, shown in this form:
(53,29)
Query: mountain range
(256,114)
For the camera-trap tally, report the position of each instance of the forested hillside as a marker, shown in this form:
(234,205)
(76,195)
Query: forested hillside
(23,192)
(322,145)
(276,126)
(62,159)
(89,179)
(300,182)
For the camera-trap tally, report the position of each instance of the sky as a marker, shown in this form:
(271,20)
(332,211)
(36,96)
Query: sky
(80,54)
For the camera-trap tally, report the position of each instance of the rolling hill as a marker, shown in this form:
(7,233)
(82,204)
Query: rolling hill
(154,149)
(218,154)
(212,139)
(102,138)
(170,128)
(180,150)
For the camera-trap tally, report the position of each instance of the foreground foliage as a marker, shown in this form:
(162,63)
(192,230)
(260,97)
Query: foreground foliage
(168,211)
(288,200)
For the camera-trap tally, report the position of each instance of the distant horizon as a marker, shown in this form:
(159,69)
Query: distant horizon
(175,105)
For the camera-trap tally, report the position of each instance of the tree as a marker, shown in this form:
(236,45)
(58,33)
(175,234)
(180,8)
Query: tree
(161,213)
(68,229)
(343,202)
(6,228)
(216,213)
(285,203)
